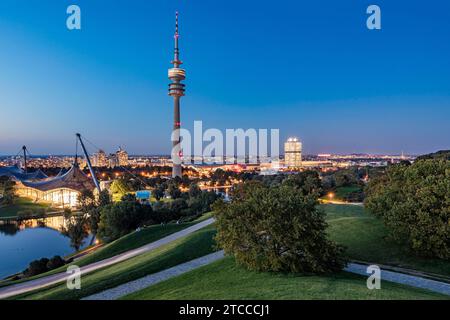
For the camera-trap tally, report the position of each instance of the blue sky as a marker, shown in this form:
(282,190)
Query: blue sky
(310,68)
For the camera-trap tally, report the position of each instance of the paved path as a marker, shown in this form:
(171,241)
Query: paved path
(142,283)
(31,285)
(414,281)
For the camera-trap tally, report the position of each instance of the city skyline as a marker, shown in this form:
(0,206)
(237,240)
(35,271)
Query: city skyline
(312,71)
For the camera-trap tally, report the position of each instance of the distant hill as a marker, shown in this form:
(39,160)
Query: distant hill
(443,154)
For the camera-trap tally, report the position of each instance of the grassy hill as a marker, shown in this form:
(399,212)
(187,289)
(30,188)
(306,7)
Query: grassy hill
(224,280)
(368,240)
(443,155)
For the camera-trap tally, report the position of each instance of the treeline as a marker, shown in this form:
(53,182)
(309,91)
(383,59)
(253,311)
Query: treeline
(111,220)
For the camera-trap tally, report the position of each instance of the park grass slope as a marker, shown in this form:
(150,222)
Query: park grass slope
(225,280)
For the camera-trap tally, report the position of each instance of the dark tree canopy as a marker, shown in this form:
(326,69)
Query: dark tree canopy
(414,203)
(119,219)
(276,229)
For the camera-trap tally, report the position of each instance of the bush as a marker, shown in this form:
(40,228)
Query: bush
(55,262)
(414,203)
(276,229)
(25,214)
(36,267)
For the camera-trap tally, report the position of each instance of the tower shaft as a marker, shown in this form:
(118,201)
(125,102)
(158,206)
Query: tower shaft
(176,143)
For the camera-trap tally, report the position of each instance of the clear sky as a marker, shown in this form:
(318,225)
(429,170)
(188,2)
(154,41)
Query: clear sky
(310,68)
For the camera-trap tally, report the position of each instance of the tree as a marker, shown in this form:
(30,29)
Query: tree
(194,191)
(7,190)
(159,191)
(307,182)
(76,228)
(86,200)
(414,203)
(120,188)
(104,198)
(276,229)
(121,218)
(128,197)
(173,190)
(345,178)
(92,207)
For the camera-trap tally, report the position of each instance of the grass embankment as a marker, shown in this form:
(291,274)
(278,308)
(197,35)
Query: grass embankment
(367,239)
(128,242)
(198,244)
(224,280)
(21,205)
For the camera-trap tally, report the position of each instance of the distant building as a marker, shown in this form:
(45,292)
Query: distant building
(100,159)
(122,157)
(112,160)
(62,190)
(293,153)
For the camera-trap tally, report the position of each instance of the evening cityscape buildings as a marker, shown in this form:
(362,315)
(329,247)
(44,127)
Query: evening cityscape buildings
(293,153)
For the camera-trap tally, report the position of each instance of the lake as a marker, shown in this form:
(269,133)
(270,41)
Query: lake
(21,243)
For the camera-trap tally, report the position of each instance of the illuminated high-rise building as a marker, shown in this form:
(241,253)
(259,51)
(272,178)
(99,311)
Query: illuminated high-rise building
(122,157)
(176,90)
(100,159)
(293,153)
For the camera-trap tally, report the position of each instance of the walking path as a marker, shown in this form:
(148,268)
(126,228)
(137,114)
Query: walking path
(410,280)
(43,282)
(139,284)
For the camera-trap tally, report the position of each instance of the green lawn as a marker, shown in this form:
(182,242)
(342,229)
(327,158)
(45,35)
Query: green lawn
(224,280)
(198,244)
(367,239)
(21,204)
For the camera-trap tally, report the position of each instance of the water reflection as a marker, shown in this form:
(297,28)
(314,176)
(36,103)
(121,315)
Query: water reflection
(24,241)
(56,222)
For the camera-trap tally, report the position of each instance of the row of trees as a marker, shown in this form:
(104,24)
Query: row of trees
(113,220)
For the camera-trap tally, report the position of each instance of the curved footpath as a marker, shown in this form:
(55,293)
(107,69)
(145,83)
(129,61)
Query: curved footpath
(402,278)
(43,282)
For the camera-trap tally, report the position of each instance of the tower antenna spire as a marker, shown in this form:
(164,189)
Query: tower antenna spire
(176,60)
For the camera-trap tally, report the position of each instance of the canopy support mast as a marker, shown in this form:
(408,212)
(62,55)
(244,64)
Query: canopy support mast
(97,185)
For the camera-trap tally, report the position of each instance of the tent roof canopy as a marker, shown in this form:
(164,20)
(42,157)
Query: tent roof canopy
(73,179)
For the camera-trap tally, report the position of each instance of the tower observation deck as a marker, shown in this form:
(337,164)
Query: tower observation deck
(176,90)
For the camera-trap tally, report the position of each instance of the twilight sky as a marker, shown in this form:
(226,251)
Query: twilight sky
(310,68)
